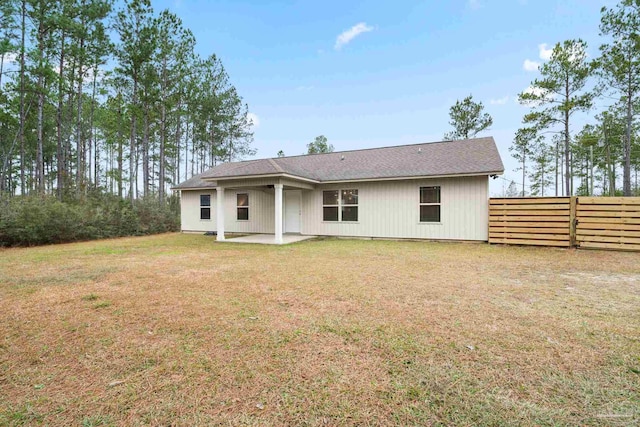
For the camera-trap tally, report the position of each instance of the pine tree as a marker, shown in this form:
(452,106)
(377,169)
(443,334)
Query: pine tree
(559,94)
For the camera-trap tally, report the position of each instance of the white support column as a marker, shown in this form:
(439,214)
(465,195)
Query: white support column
(220,214)
(278,205)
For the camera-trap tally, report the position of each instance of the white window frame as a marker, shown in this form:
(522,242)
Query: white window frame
(439,187)
(243,207)
(340,205)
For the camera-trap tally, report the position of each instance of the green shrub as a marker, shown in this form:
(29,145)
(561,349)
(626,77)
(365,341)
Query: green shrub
(38,220)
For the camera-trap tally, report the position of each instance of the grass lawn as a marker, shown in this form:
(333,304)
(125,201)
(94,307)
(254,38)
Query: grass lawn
(180,330)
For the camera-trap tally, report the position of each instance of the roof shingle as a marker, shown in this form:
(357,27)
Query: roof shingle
(465,157)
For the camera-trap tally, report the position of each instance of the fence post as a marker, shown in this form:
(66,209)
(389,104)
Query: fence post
(573,202)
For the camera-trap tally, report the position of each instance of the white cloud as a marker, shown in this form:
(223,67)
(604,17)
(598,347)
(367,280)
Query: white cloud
(530,65)
(537,92)
(253,117)
(353,32)
(499,101)
(545,53)
(534,91)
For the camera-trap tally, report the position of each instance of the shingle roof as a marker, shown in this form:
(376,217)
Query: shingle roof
(195,182)
(465,157)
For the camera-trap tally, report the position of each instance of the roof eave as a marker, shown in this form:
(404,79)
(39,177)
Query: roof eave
(261,176)
(192,188)
(399,178)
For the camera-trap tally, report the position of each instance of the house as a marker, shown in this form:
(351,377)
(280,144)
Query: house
(437,190)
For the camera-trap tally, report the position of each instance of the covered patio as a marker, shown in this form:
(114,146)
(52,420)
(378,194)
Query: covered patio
(269,239)
(278,186)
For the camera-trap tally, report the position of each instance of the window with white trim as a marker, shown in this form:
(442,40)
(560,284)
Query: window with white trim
(430,204)
(205,206)
(340,205)
(242,206)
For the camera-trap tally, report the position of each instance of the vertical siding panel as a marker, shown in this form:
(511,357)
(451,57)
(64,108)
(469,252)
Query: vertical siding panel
(190,211)
(261,212)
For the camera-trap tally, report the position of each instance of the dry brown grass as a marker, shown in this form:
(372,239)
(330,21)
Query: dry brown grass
(179,330)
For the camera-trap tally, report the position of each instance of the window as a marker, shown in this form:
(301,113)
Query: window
(349,200)
(429,204)
(243,206)
(340,205)
(205,206)
(330,205)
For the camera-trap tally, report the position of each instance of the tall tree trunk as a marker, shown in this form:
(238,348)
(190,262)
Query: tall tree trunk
(23,28)
(611,189)
(176,170)
(145,152)
(557,166)
(80,168)
(59,145)
(41,94)
(120,157)
(132,141)
(186,149)
(567,148)
(626,178)
(161,169)
(542,178)
(4,171)
(92,139)
(523,170)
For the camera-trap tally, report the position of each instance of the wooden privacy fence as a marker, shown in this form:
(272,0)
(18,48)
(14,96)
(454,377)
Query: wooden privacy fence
(540,221)
(588,222)
(608,223)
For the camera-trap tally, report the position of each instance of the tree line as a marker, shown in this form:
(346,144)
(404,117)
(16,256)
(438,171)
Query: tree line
(94,98)
(555,158)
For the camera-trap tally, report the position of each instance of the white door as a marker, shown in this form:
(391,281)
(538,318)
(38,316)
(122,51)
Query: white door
(292,211)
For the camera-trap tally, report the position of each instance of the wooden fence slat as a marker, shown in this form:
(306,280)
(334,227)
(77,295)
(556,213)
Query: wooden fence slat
(536,230)
(611,239)
(607,214)
(582,232)
(561,212)
(609,226)
(584,219)
(529,218)
(532,242)
(529,236)
(527,200)
(550,224)
(544,207)
(608,200)
(616,246)
(615,208)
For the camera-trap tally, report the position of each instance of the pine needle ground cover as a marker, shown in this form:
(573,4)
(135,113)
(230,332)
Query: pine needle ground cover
(179,330)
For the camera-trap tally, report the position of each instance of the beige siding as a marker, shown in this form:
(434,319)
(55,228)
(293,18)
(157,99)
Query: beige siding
(261,212)
(385,209)
(190,211)
(391,209)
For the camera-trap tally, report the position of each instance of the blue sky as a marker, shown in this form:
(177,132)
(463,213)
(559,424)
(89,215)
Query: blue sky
(395,79)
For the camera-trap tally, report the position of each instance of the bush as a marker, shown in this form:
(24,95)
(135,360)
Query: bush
(39,220)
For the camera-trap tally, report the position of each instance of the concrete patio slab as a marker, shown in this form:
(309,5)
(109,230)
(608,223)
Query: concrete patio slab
(268,239)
